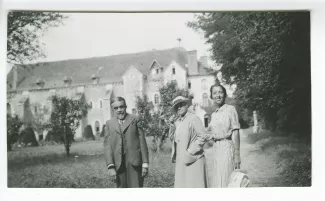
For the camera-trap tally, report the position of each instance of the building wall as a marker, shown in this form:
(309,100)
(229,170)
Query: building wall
(118,89)
(133,86)
(15,104)
(179,76)
(100,111)
(152,88)
(197,89)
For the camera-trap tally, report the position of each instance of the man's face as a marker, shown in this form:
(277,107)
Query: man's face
(119,108)
(181,108)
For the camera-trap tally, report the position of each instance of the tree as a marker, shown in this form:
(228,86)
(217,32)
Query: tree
(155,123)
(267,56)
(24,30)
(13,126)
(148,121)
(66,116)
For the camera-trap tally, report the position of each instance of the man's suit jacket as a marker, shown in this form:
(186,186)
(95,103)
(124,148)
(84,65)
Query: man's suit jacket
(136,146)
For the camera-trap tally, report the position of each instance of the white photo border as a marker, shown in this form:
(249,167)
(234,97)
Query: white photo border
(316,192)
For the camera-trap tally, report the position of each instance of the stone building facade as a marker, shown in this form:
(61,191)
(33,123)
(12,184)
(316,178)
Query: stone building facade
(97,79)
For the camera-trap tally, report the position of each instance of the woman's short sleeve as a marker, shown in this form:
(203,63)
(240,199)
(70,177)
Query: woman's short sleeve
(234,120)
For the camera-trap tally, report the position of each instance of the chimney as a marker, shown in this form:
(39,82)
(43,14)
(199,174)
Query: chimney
(14,79)
(204,61)
(192,63)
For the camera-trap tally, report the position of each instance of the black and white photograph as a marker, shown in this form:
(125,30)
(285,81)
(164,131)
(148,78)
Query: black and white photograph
(159,99)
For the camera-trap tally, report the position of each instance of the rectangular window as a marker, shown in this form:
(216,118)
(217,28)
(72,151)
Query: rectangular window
(157,71)
(189,85)
(174,71)
(161,70)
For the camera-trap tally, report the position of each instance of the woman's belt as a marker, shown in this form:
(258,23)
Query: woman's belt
(224,138)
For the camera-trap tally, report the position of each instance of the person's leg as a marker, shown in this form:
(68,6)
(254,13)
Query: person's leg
(121,180)
(134,176)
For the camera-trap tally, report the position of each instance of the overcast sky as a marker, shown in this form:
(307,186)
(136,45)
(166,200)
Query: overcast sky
(101,34)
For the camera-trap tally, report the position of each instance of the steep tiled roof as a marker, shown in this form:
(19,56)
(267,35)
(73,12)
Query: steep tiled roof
(81,70)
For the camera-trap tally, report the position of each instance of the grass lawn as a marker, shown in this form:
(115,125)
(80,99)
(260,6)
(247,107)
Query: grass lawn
(270,159)
(49,167)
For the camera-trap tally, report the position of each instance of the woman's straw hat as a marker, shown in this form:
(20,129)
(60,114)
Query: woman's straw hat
(177,100)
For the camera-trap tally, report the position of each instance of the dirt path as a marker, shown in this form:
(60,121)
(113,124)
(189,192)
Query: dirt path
(261,170)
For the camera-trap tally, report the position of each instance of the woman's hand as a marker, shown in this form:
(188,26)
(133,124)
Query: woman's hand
(208,137)
(237,159)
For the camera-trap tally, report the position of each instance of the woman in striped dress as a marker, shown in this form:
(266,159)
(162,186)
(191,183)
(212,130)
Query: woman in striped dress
(224,127)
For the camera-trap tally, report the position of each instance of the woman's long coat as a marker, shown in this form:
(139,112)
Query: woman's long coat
(187,152)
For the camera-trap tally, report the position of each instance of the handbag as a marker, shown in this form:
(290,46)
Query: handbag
(238,179)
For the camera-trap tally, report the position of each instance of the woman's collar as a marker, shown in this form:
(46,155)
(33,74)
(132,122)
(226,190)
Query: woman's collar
(221,108)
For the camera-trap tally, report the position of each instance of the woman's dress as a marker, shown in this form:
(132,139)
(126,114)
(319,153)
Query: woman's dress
(223,122)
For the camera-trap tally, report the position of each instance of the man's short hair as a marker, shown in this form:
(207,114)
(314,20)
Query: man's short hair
(118,98)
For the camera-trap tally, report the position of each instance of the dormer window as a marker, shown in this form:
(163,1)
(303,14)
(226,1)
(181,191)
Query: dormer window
(95,79)
(40,83)
(67,81)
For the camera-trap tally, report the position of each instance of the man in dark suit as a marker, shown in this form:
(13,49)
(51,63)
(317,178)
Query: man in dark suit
(125,148)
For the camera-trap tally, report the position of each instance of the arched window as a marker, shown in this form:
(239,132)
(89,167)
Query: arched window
(204,84)
(156,99)
(97,127)
(189,84)
(205,100)
(91,105)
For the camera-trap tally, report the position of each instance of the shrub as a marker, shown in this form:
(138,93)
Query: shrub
(13,126)
(297,170)
(88,133)
(27,137)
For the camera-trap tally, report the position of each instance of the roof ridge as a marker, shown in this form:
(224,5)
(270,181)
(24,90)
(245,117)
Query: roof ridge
(113,55)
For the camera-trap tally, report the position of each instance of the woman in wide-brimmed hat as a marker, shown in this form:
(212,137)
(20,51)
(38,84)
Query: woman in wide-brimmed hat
(187,150)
